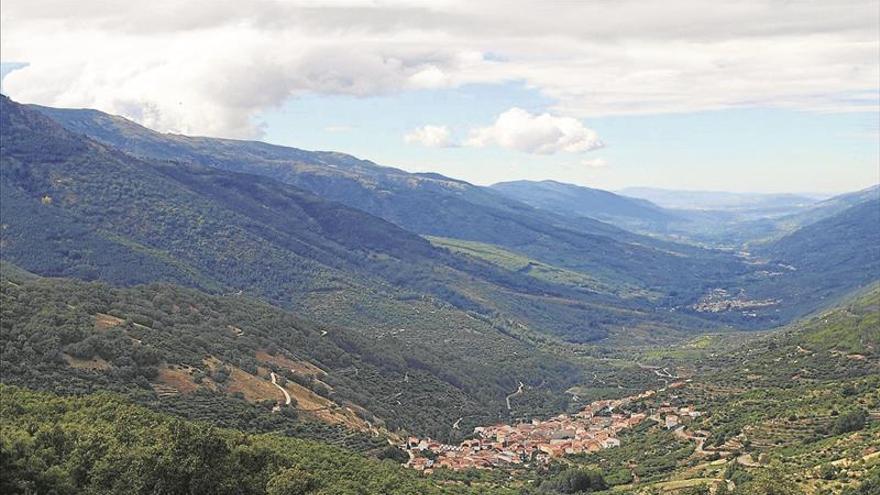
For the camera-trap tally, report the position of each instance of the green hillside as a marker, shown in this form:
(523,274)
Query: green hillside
(434,205)
(155,343)
(823,261)
(798,408)
(677,278)
(99,444)
(570,199)
(105,213)
(799,405)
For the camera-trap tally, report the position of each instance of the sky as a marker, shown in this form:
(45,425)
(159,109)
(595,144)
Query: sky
(748,95)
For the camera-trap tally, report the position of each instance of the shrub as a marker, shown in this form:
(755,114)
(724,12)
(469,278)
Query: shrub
(575,481)
(850,421)
(291,481)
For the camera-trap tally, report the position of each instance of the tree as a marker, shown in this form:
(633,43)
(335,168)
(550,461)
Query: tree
(827,471)
(575,481)
(701,489)
(290,481)
(869,486)
(771,481)
(850,421)
(395,454)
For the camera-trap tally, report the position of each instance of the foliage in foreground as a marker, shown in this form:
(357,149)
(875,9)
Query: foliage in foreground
(100,444)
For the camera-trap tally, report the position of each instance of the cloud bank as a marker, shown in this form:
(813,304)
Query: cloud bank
(212,66)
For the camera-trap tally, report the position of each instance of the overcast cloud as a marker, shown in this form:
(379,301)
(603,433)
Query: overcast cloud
(211,67)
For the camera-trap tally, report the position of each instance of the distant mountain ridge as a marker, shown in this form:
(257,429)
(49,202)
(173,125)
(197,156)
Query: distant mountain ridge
(831,206)
(594,203)
(850,235)
(721,200)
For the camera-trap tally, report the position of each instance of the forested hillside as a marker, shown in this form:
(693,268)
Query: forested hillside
(431,204)
(824,260)
(99,444)
(227,232)
(630,271)
(185,351)
(586,202)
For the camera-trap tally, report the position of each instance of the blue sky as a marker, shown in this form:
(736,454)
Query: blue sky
(747,149)
(742,96)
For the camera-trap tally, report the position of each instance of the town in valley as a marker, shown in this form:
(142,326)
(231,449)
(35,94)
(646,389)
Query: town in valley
(593,428)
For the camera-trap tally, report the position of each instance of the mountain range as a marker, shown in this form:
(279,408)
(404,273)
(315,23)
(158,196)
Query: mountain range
(721,200)
(557,233)
(199,277)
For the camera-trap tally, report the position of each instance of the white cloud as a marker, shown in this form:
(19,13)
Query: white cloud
(545,134)
(432,136)
(211,66)
(431,77)
(594,163)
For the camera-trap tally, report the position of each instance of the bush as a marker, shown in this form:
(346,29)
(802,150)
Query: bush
(291,481)
(620,476)
(850,421)
(575,481)
(393,453)
(828,472)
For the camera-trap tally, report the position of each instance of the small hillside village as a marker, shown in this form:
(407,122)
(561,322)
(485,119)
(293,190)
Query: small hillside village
(593,428)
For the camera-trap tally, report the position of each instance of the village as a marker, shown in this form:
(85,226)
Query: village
(593,428)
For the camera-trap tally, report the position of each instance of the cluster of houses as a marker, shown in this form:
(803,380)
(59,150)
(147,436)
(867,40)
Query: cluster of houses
(671,417)
(593,428)
(719,301)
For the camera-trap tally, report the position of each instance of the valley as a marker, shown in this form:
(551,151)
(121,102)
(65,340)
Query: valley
(312,318)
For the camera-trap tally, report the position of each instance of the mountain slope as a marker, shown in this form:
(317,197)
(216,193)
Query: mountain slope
(183,351)
(101,444)
(720,200)
(828,207)
(797,408)
(223,231)
(431,204)
(583,201)
(806,270)
(756,228)
(831,256)
(852,232)
(669,280)
(73,207)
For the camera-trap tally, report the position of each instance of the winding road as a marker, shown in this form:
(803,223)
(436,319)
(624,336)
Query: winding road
(518,391)
(286,395)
